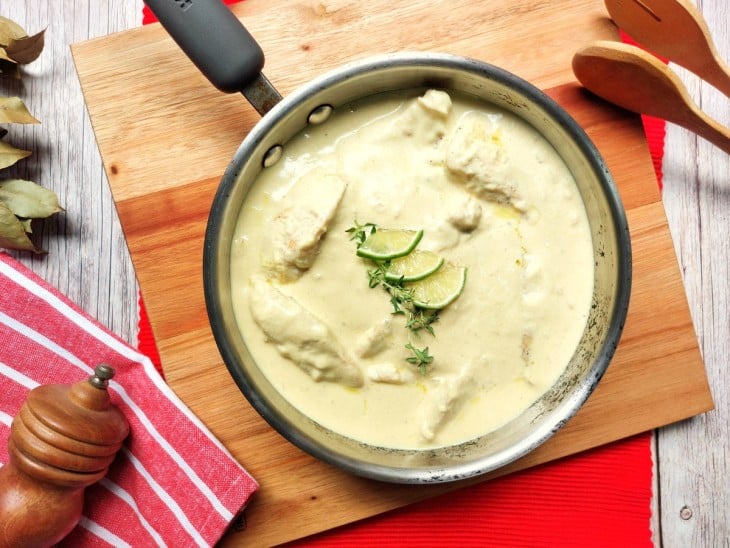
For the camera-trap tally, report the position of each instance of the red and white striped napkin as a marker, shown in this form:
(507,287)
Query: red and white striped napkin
(172,482)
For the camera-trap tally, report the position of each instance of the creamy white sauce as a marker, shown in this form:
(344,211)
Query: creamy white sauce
(490,193)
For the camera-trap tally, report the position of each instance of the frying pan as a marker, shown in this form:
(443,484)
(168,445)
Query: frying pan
(216,42)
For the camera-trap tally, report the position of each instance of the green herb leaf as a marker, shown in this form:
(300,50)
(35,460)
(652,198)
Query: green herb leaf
(359,233)
(420,358)
(422,320)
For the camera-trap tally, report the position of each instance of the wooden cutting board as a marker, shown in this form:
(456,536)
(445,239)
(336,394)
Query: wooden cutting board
(166,136)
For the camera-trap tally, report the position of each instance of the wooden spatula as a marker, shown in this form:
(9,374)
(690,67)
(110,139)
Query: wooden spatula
(676,30)
(635,80)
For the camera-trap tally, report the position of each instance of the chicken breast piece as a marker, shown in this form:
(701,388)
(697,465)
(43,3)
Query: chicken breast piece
(424,119)
(299,336)
(389,373)
(479,160)
(374,340)
(292,242)
(466,217)
(443,400)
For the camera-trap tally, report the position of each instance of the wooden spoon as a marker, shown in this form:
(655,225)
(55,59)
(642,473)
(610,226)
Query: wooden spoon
(674,29)
(636,80)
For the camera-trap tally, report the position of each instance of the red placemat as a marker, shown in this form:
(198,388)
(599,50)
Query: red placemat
(598,498)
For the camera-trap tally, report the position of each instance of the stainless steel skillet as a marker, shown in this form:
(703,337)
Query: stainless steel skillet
(216,42)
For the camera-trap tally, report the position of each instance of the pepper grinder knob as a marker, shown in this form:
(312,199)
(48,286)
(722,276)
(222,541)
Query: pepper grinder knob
(103,373)
(63,439)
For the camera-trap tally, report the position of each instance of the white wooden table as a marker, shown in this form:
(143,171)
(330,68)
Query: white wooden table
(88,259)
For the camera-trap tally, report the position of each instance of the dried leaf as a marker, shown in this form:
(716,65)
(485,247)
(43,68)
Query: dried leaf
(14,111)
(12,233)
(4,56)
(27,49)
(10,30)
(10,155)
(20,200)
(27,199)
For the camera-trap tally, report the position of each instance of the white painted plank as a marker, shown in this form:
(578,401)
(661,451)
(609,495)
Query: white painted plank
(693,479)
(87,256)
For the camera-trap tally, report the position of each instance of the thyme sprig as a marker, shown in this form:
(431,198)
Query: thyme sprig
(420,358)
(360,233)
(422,319)
(401,298)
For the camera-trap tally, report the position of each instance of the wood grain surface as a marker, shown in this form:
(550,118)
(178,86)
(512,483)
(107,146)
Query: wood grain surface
(89,261)
(166,136)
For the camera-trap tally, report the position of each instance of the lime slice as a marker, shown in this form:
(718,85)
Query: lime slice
(414,266)
(440,289)
(384,244)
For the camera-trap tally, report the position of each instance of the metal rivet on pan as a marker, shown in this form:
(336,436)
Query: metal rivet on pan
(320,114)
(273,155)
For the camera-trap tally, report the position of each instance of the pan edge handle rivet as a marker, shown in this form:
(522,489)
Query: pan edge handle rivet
(273,155)
(320,114)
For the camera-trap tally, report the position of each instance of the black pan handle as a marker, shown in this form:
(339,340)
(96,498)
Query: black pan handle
(219,45)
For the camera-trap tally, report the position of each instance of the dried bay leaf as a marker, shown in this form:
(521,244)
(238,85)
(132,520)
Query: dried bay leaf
(27,199)
(27,49)
(12,232)
(27,225)
(14,111)
(21,201)
(10,30)
(17,48)
(9,154)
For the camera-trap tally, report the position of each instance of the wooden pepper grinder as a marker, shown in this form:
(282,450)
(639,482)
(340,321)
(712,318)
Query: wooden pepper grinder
(63,439)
